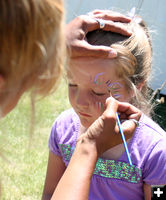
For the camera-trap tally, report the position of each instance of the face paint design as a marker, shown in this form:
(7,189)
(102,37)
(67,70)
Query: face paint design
(99,106)
(114,88)
(96,79)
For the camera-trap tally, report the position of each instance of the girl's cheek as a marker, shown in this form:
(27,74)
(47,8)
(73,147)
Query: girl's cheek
(72,94)
(99,105)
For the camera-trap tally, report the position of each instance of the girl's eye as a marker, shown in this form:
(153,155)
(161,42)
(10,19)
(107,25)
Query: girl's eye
(98,94)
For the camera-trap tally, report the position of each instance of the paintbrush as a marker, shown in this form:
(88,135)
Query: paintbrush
(123,138)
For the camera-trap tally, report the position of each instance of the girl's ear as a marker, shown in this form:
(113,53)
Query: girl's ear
(140,85)
(2,81)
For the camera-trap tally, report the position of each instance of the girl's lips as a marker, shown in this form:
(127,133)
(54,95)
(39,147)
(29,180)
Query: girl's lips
(84,114)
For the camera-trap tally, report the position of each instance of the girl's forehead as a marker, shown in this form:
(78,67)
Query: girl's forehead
(91,68)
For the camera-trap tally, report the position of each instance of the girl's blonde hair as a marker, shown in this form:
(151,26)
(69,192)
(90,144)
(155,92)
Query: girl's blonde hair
(133,63)
(32,44)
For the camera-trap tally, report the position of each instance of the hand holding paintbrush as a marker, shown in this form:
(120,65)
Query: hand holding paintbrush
(104,132)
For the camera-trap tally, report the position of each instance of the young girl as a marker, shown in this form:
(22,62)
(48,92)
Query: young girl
(91,80)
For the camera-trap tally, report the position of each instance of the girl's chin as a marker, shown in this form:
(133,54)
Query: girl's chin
(86,123)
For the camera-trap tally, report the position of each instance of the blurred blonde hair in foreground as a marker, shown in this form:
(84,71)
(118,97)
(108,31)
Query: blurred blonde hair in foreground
(32,46)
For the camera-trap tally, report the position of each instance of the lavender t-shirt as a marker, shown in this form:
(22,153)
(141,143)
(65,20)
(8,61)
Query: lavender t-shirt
(116,179)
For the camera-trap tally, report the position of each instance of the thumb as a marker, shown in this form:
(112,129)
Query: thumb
(102,51)
(85,49)
(110,111)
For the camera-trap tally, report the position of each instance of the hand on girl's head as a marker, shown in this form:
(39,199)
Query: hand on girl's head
(84,24)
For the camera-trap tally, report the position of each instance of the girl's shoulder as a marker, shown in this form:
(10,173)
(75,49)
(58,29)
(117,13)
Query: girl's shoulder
(150,129)
(149,136)
(64,134)
(148,151)
(65,128)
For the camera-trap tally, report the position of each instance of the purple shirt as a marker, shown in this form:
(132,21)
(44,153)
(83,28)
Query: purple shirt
(116,179)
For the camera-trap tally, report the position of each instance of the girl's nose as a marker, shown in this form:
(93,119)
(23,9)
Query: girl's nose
(82,99)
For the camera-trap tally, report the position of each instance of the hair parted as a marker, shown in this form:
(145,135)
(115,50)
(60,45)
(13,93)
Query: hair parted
(32,44)
(134,60)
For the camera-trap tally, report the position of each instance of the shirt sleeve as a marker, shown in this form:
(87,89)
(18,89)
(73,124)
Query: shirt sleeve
(53,144)
(155,166)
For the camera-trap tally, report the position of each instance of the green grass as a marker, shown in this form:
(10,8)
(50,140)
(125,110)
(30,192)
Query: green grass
(22,169)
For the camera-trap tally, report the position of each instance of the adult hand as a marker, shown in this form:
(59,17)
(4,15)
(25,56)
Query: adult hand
(77,29)
(104,132)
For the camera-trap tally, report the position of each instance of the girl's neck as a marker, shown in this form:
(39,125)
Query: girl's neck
(82,130)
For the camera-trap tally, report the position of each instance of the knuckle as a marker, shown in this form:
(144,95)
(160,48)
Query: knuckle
(109,117)
(82,18)
(107,15)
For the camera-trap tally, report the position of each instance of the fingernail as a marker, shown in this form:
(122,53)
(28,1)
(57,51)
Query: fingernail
(130,32)
(109,98)
(112,54)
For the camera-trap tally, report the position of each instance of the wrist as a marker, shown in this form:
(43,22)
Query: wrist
(87,148)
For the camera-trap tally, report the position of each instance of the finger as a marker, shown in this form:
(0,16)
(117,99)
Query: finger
(129,128)
(85,49)
(129,110)
(117,27)
(91,24)
(111,108)
(114,16)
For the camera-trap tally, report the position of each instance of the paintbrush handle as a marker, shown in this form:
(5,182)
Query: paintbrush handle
(124,140)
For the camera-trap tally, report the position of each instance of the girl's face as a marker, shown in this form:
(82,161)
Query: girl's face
(90,82)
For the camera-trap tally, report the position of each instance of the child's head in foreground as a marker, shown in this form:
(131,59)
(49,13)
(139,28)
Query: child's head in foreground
(92,80)
(32,40)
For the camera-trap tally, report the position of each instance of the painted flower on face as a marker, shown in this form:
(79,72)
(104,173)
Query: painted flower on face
(114,88)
